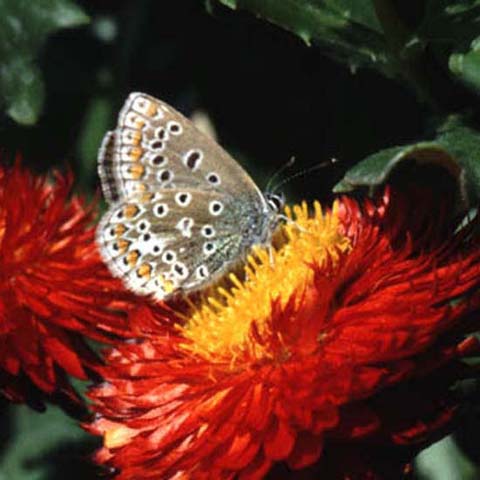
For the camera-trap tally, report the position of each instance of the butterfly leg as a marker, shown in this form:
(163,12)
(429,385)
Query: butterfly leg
(292,222)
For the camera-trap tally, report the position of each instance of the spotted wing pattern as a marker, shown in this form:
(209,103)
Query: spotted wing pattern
(181,209)
(169,244)
(155,147)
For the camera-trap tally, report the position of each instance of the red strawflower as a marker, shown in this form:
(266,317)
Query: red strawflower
(347,335)
(53,287)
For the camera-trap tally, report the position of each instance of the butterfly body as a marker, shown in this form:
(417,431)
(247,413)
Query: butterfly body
(182,211)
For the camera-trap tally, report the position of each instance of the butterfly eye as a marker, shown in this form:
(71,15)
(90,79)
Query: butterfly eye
(275,202)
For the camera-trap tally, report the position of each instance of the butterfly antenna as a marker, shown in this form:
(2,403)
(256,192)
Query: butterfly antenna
(318,166)
(286,165)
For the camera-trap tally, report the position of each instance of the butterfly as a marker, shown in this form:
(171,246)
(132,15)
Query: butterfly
(182,212)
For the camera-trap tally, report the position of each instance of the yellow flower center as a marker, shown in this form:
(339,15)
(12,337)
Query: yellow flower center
(218,329)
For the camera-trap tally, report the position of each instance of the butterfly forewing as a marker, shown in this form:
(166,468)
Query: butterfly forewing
(155,147)
(107,168)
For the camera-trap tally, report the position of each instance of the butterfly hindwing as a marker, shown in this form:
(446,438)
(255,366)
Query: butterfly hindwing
(160,243)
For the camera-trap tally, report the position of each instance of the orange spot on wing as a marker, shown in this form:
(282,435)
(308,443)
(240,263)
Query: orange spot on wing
(152,110)
(136,138)
(136,171)
(120,229)
(135,153)
(144,270)
(147,196)
(132,257)
(123,245)
(130,210)
(139,123)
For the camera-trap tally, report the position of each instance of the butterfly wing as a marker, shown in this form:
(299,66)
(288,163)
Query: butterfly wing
(154,148)
(181,209)
(176,239)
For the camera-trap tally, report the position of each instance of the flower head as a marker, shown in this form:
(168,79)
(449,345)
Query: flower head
(350,304)
(53,287)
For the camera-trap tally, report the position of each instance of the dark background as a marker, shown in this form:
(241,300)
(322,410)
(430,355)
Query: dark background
(267,94)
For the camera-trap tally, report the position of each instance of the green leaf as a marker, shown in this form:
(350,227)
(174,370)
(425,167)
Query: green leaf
(349,29)
(466,66)
(451,28)
(450,24)
(456,149)
(24,28)
(44,446)
(444,460)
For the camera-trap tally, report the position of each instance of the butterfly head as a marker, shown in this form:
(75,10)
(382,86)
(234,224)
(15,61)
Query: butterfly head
(275,201)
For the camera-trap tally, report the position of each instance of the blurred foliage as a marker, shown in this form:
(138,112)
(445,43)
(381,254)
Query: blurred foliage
(455,149)
(24,27)
(349,29)
(399,39)
(445,461)
(47,446)
(271,93)
(452,31)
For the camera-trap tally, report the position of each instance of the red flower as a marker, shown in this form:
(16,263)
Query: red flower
(313,348)
(53,287)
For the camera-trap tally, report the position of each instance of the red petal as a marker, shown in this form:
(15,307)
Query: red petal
(241,452)
(279,440)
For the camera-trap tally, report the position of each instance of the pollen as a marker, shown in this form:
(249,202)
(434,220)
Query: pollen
(220,328)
